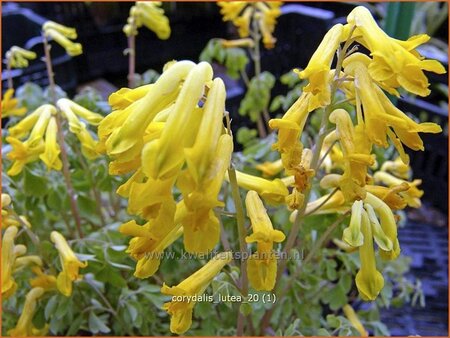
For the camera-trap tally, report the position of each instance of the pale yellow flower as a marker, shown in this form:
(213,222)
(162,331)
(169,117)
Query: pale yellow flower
(24,326)
(354,320)
(151,15)
(9,285)
(51,153)
(63,36)
(19,57)
(411,195)
(183,295)
(272,191)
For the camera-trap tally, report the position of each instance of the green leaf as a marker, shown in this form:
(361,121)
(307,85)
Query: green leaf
(245,309)
(34,185)
(30,95)
(75,326)
(51,306)
(97,325)
(257,96)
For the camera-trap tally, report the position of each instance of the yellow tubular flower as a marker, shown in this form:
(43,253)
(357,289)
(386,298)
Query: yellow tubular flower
(184,294)
(352,235)
(388,225)
(270,169)
(42,280)
(318,70)
(290,128)
(63,36)
(69,262)
(261,266)
(411,196)
(87,115)
(243,22)
(379,236)
(201,225)
(230,10)
(356,155)
(126,96)
(10,105)
(152,16)
(88,144)
(24,326)
(369,280)
(245,42)
(24,126)
(164,157)
(391,196)
(29,151)
(51,154)
(151,239)
(354,320)
(397,168)
(22,262)
(273,192)
(126,141)
(393,65)
(333,204)
(9,285)
(19,57)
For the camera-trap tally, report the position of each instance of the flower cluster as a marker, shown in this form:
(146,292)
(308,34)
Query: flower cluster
(150,15)
(14,261)
(347,150)
(262,13)
(63,36)
(10,105)
(169,135)
(41,128)
(17,57)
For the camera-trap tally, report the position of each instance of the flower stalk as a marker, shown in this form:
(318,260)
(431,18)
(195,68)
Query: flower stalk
(64,157)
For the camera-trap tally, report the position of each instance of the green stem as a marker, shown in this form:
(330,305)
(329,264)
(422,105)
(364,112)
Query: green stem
(240,220)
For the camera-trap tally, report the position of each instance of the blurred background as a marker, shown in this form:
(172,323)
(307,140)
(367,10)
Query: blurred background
(104,66)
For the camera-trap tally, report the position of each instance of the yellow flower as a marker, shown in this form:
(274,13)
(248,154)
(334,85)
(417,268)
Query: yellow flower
(268,13)
(273,192)
(18,57)
(270,169)
(411,195)
(230,10)
(9,285)
(369,280)
(24,126)
(387,223)
(42,280)
(395,63)
(354,320)
(356,150)
(69,262)
(10,105)
(164,157)
(22,262)
(126,96)
(24,326)
(186,293)
(51,154)
(391,196)
(397,168)
(245,42)
(352,235)
(380,115)
(124,140)
(243,22)
(29,151)
(9,217)
(318,70)
(151,239)
(63,36)
(152,16)
(262,265)
(290,128)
